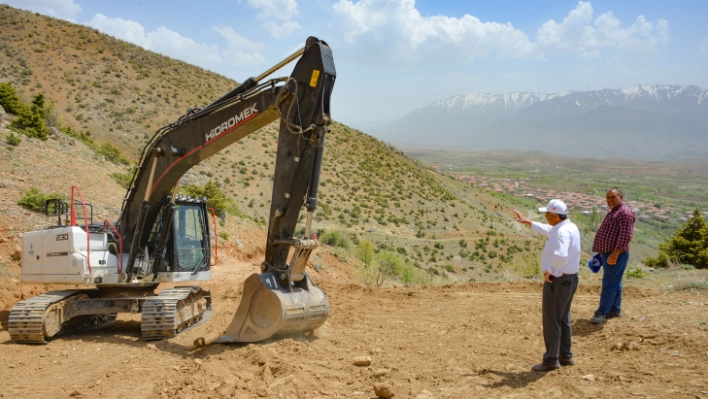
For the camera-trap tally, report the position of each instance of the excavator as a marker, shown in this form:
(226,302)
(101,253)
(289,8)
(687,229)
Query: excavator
(162,236)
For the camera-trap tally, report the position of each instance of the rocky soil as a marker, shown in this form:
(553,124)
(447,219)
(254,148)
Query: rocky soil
(457,341)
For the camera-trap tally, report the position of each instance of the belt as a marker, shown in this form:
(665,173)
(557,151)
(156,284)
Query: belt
(564,275)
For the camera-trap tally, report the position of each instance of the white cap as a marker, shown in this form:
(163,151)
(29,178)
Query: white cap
(555,206)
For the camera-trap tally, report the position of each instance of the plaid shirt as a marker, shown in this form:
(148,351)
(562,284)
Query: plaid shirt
(616,230)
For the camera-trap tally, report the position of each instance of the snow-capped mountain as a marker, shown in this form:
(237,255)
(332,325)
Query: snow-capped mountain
(644,121)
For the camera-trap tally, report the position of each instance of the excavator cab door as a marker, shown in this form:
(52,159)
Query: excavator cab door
(191,237)
(185,238)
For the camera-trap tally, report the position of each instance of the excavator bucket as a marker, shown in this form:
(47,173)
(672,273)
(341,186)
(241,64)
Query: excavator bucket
(268,309)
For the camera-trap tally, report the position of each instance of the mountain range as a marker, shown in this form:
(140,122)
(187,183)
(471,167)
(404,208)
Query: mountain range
(656,122)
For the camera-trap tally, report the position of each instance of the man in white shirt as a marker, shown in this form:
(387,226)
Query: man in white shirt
(559,264)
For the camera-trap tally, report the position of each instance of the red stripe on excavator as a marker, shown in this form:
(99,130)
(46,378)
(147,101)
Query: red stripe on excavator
(173,164)
(198,148)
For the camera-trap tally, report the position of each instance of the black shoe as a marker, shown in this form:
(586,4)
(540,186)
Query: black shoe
(566,361)
(543,366)
(612,315)
(598,319)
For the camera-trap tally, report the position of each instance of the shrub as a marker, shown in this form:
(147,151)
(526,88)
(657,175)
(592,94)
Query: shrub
(636,273)
(365,252)
(30,119)
(335,239)
(224,236)
(13,139)
(31,124)
(35,200)
(112,153)
(215,197)
(124,178)
(9,99)
(390,265)
(689,245)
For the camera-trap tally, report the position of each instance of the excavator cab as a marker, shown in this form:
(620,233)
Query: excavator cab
(186,237)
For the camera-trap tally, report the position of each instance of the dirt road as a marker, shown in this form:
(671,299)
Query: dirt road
(460,341)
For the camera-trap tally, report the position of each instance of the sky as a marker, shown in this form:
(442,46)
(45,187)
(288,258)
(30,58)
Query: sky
(394,56)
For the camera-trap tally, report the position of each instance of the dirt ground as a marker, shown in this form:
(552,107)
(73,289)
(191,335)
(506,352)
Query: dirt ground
(457,341)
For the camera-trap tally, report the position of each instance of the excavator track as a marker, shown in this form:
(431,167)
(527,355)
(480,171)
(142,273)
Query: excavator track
(173,311)
(29,319)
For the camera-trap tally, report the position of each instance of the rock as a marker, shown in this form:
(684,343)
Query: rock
(2,114)
(619,346)
(16,255)
(239,244)
(362,361)
(151,346)
(290,379)
(424,394)
(381,372)
(54,133)
(625,346)
(589,377)
(246,376)
(199,342)
(383,390)
(76,394)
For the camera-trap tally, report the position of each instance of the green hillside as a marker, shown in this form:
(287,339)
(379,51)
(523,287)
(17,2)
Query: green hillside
(115,92)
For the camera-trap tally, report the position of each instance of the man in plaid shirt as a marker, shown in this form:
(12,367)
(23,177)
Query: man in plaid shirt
(612,242)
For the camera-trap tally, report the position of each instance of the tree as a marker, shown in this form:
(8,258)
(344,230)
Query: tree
(30,120)
(215,196)
(689,245)
(390,265)
(9,99)
(365,252)
(39,105)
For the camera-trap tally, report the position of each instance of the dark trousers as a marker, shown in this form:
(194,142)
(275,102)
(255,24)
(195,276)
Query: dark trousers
(557,330)
(611,295)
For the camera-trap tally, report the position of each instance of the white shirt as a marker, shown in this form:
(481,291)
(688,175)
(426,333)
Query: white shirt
(561,255)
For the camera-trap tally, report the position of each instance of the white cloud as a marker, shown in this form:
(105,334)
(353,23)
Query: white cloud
(393,33)
(579,34)
(162,40)
(66,9)
(277,15)
(130,31)
(241,51)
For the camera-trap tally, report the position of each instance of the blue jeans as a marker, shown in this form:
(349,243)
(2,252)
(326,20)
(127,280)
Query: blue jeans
(611,295)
